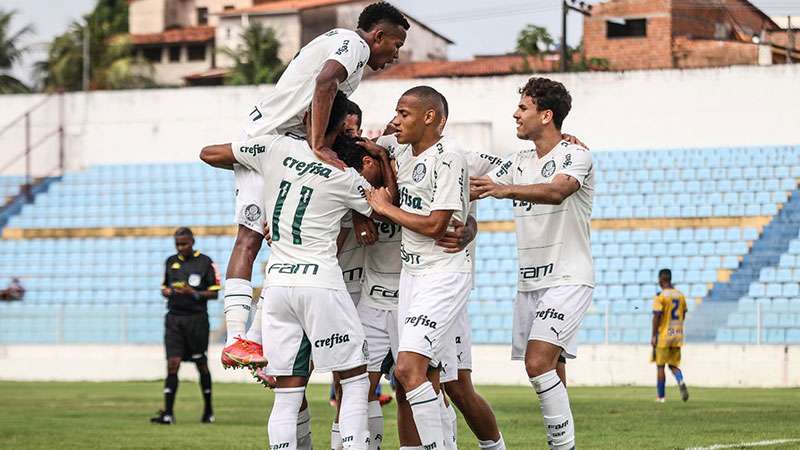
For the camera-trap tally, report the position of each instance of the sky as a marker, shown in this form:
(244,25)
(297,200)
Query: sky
(476,26)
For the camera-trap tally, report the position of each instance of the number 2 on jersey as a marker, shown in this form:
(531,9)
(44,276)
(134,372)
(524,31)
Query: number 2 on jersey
(305,198)
(676,303)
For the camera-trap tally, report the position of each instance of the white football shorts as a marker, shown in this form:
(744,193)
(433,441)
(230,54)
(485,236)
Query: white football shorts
(428,310)
(304,323)
(551,315)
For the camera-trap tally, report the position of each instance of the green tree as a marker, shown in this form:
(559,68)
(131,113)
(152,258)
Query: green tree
(256,61)
(534,40)
(111,59)
(11,50)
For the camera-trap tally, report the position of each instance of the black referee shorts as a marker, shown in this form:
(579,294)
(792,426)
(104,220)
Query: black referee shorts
(186,337)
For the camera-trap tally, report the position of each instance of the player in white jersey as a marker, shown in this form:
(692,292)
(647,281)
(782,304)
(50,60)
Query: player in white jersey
(434,285)
(309,311)
(552,188)
(334,60)
(351,257)
(215,156)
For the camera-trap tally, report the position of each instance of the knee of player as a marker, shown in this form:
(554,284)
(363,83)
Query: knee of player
(536,365)
(408,374)
(202,368)
(173,366)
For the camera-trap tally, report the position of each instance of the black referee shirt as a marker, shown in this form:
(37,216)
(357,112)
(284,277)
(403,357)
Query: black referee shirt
(197,272)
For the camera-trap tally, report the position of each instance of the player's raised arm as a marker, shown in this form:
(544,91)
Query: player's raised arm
(327,84)
(218,155)
(248,153)
(566,182)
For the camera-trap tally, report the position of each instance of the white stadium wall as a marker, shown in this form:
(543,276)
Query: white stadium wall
(736,106)
(705,365)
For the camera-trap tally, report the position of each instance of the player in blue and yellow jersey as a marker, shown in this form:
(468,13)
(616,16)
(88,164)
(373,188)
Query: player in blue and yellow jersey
(669,313)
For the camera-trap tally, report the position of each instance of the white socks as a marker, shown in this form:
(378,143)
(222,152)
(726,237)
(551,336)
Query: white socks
(353,413)
(492,445)
(254,332)
(375,424)
(304,430)
(453,423)
(555,410)
(282,425)
(238,297)
(336,438)
(427,415)
(447,423)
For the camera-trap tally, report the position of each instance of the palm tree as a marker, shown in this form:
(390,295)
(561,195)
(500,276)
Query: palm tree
(256,61)
(533,40)
(10,52)
(112,66)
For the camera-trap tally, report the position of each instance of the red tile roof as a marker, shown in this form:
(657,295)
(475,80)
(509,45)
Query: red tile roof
(186,34)
(208,74)
(277,6)
(480,66)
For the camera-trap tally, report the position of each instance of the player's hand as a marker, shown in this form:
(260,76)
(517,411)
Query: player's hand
(653,341)
(268,236)
(380,199)
(328,156)
(390,129)
(482,187)
(186,290)
(166,292)
(373,149)
(573,140)
(365,229)
(456,239)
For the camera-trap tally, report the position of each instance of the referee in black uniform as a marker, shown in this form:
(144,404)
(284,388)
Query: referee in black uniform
(190,280)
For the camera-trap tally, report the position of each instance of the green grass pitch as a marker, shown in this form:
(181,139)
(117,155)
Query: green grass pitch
(115,416)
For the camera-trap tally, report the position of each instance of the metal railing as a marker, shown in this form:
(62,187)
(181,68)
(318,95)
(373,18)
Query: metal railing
(31,144)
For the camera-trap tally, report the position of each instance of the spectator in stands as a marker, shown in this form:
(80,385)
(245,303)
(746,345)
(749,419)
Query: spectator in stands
(14,291)
(669,312)
(190,280)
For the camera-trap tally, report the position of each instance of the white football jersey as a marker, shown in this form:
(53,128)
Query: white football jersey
(282,110)
(437,179)
(382,267)
(553,241)
(306,201)
(351,257)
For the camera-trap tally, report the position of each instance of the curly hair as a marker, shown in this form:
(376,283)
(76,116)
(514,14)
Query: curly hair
(348,150)
(549,94)
(381,12)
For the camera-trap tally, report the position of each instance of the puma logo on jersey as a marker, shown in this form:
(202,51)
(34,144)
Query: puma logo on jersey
(303,168)
(447,164)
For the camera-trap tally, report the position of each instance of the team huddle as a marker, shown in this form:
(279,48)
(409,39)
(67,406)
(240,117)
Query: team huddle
(373,249)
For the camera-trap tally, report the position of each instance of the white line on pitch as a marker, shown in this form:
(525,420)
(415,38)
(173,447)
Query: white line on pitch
(746,444)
